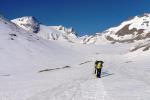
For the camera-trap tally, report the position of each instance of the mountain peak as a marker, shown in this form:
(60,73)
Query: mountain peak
(145,15)
(28,23)
(67,30)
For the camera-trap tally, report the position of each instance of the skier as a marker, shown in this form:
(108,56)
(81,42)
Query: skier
(98,68)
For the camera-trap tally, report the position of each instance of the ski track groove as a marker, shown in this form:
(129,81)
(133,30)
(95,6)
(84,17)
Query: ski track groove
(91,89)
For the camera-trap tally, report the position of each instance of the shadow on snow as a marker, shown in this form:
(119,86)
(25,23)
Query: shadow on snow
(105,74)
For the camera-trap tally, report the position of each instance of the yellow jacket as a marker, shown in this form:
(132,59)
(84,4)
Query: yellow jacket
(99,66)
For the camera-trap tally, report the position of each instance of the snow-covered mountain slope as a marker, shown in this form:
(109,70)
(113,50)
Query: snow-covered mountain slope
(94,39)
(21,48)
(131,30)
(33,68)
(28,23)
(47,32)
(58,33)
(135,31)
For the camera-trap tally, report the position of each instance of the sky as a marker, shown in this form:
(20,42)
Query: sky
(85,16)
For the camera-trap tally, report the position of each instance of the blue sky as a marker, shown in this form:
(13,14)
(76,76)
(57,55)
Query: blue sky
(85,16)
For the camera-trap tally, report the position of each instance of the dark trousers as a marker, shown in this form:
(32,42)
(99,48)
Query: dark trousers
(99,73)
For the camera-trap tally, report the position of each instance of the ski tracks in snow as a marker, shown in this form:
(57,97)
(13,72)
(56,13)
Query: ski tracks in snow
(92,89)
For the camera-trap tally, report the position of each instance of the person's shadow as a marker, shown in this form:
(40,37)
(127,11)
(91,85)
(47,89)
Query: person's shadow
(105,74)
